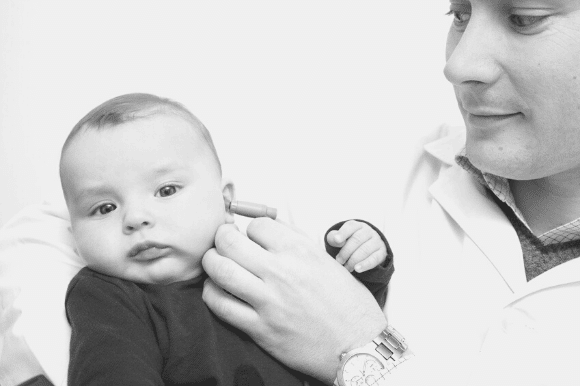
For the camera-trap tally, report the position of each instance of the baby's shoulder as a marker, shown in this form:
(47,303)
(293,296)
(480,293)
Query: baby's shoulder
(91,283)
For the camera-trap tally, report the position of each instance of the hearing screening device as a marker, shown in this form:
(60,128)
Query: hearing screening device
(250,209)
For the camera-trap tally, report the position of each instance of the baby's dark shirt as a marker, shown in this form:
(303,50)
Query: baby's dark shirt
(126,333)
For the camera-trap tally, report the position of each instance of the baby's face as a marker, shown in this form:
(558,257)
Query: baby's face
(145,199)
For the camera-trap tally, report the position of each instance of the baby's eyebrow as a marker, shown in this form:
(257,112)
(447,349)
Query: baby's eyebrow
(168,167)
(90,191)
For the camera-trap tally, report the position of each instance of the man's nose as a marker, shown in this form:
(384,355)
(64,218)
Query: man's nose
(474,57)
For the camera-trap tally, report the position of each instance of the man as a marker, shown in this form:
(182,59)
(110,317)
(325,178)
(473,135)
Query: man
(487,284)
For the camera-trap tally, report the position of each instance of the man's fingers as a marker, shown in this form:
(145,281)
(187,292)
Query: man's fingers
(232,277)
(229,308)
(231,243)
(272,235)
(293,227)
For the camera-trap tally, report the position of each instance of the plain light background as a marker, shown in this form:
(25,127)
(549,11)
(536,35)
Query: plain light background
(313,105)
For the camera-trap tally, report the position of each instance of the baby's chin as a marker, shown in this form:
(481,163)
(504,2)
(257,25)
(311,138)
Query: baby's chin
(166,275)
(160,272)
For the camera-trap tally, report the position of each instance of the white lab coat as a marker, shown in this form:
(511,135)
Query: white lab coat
(459,294)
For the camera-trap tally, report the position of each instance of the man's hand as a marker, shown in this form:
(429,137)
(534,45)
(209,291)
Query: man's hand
(361,246)
(292,298)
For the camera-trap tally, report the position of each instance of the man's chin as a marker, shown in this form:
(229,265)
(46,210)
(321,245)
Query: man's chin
(503,164)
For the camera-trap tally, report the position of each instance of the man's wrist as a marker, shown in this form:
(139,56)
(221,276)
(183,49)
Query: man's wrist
(365,333)
(366,330)
(373,361)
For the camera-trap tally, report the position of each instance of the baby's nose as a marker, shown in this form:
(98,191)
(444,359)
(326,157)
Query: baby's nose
(137,220)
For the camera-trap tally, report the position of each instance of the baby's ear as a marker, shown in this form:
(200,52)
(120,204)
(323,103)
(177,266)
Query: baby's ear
(229,194)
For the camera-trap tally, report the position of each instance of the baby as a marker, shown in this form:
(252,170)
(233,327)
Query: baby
(143,186)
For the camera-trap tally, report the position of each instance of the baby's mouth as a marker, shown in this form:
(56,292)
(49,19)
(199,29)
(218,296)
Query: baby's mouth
(149,251)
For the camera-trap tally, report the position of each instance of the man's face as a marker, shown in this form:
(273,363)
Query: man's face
(145,199)
(515,68)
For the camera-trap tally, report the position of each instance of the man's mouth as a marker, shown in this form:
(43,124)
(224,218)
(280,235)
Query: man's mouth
(489,119)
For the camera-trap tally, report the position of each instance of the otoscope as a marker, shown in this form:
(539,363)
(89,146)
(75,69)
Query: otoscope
(250,209)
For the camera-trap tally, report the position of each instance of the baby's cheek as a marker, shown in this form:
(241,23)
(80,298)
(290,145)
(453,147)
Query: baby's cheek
(81,242)
(206,239)
(95,246)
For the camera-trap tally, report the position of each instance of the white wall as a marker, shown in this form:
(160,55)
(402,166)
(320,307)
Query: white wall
(309,102)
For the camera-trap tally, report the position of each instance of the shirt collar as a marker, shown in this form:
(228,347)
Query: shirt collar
(501,188)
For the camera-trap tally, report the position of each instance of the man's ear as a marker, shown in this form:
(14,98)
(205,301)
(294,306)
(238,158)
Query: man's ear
(229,194)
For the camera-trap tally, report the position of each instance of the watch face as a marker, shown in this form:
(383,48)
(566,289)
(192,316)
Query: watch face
(362,370)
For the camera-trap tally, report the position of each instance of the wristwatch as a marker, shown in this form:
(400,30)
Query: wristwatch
(373,362)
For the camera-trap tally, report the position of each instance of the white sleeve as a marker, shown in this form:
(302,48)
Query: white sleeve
(37,261)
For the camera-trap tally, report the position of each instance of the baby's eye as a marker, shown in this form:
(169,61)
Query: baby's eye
(104,209)
(167,191)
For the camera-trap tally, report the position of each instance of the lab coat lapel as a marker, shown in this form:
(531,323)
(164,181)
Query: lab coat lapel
(466,201)
(565,273)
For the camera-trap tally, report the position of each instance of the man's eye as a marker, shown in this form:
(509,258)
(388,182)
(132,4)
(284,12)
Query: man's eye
(106,208)
(460,18)
(523,21)
(167,191)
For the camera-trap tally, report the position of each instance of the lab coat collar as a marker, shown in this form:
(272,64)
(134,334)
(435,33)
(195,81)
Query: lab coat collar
(467,202)
(447,147)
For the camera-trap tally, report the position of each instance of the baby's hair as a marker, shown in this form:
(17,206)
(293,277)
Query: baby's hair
(130,107)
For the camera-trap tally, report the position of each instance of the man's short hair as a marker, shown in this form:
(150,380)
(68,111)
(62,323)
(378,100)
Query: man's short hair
(130,107)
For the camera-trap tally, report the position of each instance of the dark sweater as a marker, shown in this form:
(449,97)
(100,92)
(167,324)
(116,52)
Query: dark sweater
(538,258)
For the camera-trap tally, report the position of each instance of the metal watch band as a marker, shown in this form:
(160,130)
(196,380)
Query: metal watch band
(390,344)
(391,347)
(392,364)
